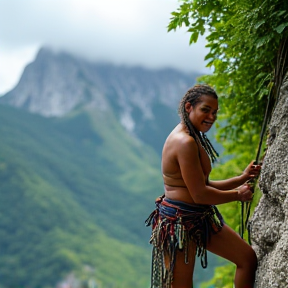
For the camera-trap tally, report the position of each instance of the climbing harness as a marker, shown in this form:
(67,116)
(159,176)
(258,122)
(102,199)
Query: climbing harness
(175,225)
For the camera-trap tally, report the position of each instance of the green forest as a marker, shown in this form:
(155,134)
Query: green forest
(56,209)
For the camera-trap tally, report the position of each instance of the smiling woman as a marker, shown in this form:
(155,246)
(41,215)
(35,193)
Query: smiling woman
(186,221)
(204,114)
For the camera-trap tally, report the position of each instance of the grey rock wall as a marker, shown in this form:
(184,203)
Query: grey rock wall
(269,224)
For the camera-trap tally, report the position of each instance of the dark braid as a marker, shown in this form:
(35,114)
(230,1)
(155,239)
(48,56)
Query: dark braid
(193,97)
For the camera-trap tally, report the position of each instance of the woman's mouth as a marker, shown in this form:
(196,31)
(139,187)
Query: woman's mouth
(210,123)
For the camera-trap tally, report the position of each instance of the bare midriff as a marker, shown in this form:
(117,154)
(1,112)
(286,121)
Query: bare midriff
(175,189)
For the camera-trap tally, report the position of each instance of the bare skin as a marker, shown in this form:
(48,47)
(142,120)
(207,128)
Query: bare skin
(186,168)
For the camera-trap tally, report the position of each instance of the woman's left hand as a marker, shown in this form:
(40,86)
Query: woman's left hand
(252,170)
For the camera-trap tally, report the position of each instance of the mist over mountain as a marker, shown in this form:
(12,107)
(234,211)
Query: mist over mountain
(144,101)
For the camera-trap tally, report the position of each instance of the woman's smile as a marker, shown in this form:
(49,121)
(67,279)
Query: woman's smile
(204,114)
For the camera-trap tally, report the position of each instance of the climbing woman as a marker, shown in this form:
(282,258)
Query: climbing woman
(186,222)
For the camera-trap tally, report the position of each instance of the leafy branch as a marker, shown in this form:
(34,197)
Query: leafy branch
(244,38)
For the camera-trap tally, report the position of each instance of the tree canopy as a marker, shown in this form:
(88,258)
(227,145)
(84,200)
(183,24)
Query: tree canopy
(247,44)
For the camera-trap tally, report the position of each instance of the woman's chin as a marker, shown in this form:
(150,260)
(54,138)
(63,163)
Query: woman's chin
(205,129)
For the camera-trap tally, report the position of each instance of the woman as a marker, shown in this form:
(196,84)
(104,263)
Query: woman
(186,223)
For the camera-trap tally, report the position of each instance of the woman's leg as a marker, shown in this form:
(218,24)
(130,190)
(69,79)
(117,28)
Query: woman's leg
(229,245)
(183,273)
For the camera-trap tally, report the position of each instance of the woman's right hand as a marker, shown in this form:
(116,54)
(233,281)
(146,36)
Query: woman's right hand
(245,193)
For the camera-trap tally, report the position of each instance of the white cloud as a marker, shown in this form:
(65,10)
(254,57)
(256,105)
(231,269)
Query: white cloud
(129,32)
(12,63)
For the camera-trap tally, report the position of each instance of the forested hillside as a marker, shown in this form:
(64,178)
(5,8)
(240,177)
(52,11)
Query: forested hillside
(66,205)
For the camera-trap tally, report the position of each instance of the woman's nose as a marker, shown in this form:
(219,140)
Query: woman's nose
(212,116)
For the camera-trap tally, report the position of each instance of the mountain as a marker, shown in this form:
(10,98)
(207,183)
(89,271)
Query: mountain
(144,101)
(79,170)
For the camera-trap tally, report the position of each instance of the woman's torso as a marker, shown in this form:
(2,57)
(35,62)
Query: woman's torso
(175,188)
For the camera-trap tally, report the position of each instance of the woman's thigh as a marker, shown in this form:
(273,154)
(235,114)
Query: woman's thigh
(229,245)
(183,272)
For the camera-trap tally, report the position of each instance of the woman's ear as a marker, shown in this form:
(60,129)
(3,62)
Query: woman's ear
(188,107)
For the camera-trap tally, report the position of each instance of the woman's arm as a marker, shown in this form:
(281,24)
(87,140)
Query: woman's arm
(192,174)
(250,172)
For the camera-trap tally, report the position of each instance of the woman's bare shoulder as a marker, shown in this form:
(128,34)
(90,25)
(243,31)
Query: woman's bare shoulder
(185,142)
(180,136)
(179,141)
(179,146)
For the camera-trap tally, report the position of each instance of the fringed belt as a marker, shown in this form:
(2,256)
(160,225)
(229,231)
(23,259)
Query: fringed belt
(174,225)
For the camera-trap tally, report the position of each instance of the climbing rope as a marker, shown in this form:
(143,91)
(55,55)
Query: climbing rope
(246,206)
(274,91)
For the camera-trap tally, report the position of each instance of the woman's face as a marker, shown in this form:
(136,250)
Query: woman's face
(204,114)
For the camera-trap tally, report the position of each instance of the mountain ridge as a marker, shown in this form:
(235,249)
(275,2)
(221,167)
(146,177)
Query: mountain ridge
(55,84)
(78,74)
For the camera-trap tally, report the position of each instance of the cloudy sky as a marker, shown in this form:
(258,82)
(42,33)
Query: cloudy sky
(131,32)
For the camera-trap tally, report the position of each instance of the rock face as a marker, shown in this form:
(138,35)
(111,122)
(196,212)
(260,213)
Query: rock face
(269,225)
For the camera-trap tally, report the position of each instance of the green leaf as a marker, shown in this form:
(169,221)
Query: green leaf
(262,41)
(280,13)
(171,26)
(281,27)
(175,14)
(186,21)
(194,37)
(257,25)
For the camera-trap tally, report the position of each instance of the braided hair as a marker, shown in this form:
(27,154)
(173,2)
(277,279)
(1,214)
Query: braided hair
(193,97)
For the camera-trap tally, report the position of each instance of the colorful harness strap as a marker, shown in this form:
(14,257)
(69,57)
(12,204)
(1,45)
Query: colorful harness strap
(174,225)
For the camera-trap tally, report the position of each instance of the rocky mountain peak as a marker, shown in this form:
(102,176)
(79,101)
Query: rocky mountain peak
(56,83)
